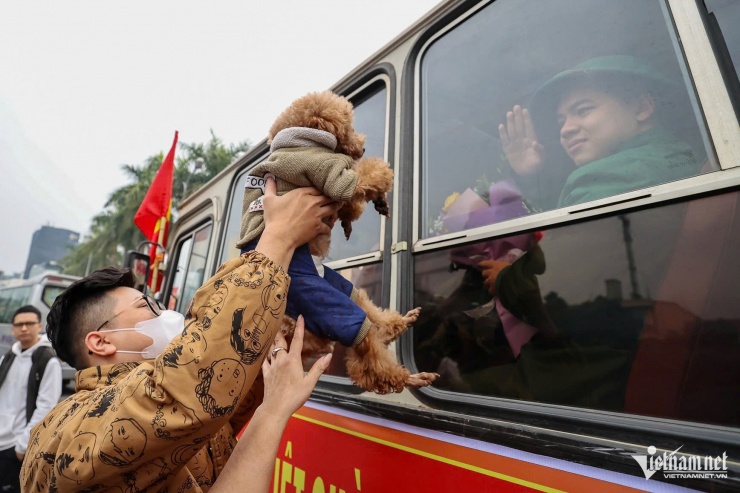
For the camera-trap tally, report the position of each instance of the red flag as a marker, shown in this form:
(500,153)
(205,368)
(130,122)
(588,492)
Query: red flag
(154,212)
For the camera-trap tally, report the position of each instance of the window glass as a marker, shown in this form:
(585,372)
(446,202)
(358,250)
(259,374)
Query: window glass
(370,119)
(369,278)
(5,296)
(183,255)
(636,313)
(50,293)
(233,226)
(18,299)
(196,266)
(607,110)
(727,13)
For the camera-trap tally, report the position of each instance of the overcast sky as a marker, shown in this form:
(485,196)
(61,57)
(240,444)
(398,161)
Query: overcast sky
(86,86)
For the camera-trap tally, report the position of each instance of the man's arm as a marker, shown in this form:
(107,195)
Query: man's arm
(159,416)
(50,390)
(286,389)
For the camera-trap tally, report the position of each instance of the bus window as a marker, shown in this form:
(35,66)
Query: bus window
(635,313)
(50,293)
(485,160)
(5,296)
(726,13)
(370,119)
(191,264)
(367,277)
(18,298)
(233,226)
(183,255)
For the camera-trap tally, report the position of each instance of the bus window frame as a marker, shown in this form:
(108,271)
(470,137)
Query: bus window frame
(726,178)
(182,238)
(705,76)
(721,53)
(254,157)
(365,90)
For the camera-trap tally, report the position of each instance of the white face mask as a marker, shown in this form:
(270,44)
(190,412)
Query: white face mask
(161,330)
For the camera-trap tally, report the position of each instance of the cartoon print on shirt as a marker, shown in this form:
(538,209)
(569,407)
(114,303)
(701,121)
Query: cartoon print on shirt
(42,470)
(149,474)
(198,467)
(174,420)
(220,387)
(123,444)
(205,314)
(194,344)
(245,335)
(77,464)
(73,409)
(253,281)
(184,453)
(103,402)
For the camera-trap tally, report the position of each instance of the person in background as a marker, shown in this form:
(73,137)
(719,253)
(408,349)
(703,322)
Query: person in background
(606,113)
(160,396)
(30,386)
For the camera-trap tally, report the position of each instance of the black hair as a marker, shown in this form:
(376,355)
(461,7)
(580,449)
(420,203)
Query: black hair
(76,311)
(27,309)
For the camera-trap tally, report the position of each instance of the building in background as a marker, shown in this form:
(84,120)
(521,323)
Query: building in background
(49,245)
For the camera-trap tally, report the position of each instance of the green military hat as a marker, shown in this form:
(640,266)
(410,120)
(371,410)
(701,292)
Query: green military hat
(624,70)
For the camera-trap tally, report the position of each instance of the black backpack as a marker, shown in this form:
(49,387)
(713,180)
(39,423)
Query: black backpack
(39,360)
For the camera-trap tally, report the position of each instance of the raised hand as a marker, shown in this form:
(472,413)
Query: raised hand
(523,151)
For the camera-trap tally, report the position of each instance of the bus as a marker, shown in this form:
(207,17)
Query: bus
(620,369)
(40,291)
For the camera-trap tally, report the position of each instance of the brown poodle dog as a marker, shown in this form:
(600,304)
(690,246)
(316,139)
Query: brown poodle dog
(314,143)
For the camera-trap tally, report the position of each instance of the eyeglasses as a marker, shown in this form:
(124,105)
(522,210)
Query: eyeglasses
(18,325)
(154,306)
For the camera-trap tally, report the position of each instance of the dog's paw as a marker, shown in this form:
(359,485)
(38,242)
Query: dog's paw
(381,205)
(412,316)
(347,228)
(420,380)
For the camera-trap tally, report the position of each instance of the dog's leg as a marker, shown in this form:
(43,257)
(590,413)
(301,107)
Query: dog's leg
(372,367)
(375,179)
(390,323)
(313,345)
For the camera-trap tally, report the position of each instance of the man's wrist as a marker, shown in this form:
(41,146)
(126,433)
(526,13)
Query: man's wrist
(277,249)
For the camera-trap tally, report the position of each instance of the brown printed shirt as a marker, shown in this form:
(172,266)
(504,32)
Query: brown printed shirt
(167,424)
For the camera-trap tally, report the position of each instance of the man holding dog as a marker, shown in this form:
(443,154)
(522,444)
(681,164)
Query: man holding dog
(159,399)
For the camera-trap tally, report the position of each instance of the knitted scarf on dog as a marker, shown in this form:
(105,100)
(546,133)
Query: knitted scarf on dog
(301,157)
(303,137)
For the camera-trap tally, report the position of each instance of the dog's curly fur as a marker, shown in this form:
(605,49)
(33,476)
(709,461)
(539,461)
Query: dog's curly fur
(334,114)
(370,364)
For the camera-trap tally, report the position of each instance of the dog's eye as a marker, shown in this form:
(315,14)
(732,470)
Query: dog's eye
(363,151)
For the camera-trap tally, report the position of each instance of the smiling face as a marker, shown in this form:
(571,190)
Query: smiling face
(594,124)
(76,463)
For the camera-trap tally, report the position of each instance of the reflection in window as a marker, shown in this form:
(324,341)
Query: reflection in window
(623,121)
(370,119)
(635,313)
(191,264)
(367,277)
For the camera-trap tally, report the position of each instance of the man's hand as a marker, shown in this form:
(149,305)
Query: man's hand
(287,388)
(20,456)
(523,151)
(490,270)
(292,220)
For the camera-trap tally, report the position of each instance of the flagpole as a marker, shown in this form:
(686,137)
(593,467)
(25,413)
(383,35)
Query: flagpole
(160,240)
